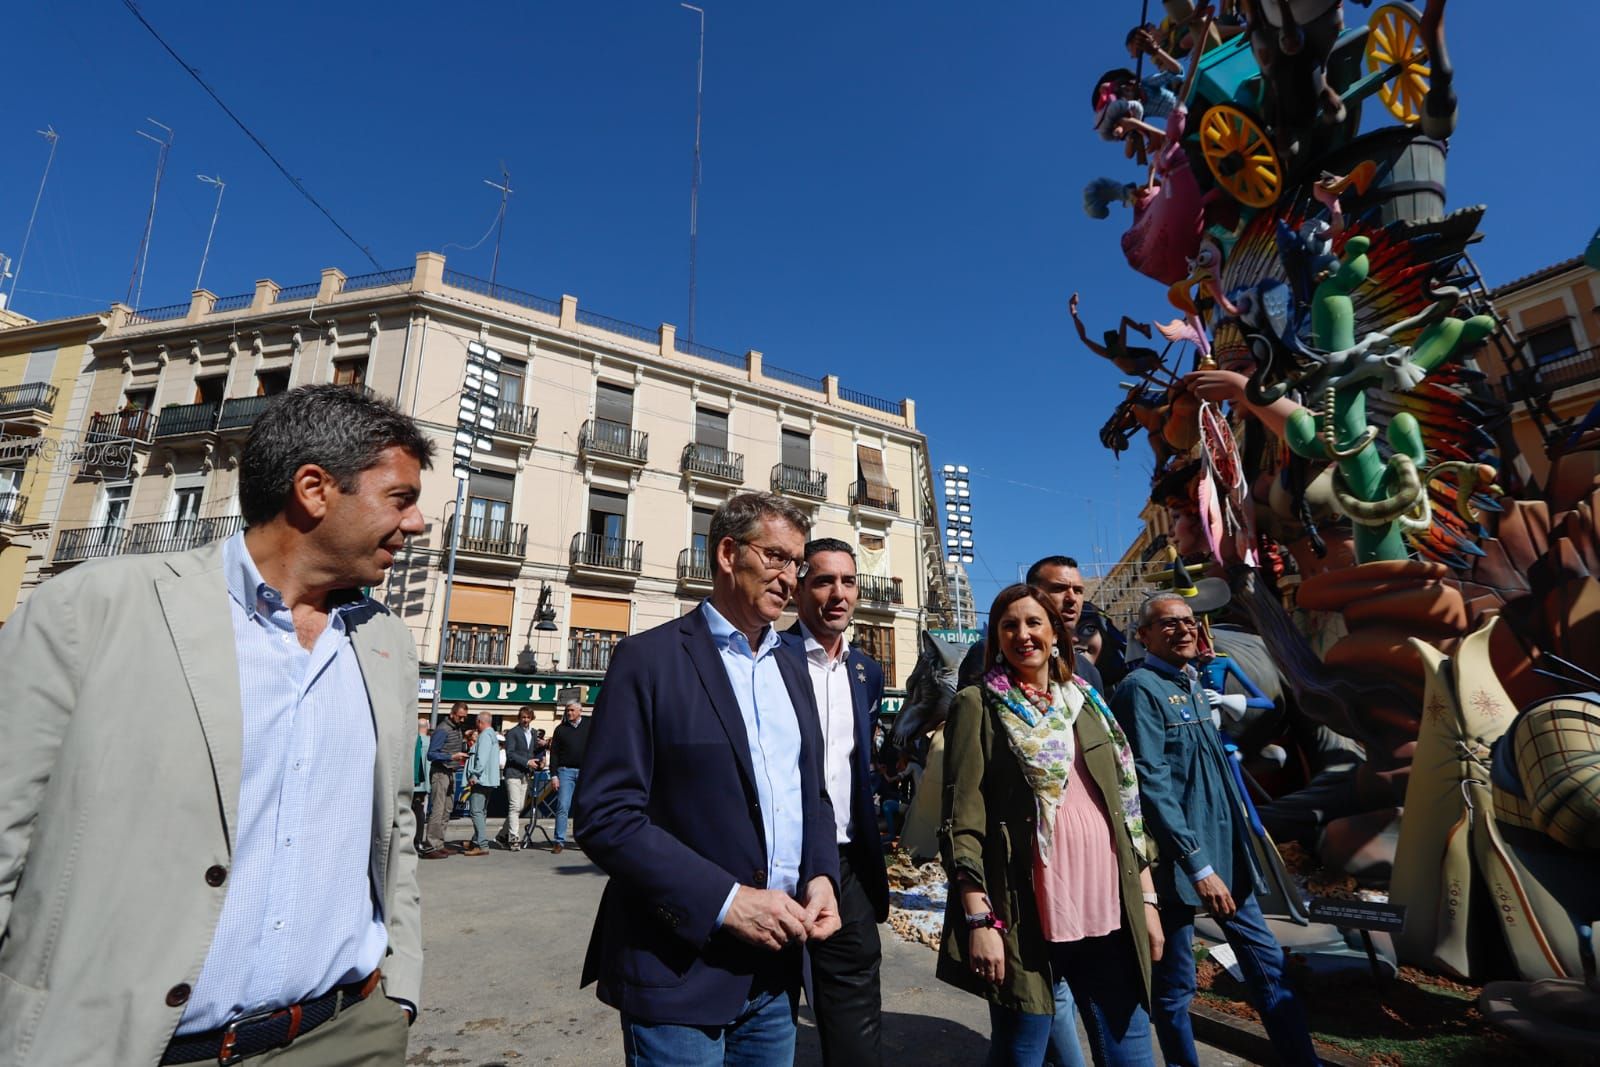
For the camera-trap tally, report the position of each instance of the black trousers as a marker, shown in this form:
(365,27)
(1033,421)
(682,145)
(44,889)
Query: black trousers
(846,996)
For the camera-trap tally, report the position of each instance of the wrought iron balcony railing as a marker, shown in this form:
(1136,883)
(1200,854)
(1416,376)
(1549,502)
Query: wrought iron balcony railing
(30,396)
(135,423)
(875,590)
(517,421)
(607,553)
(871,496)
(241,413)
(798,481)
(602,437)
(179,420)
(694,565)
(13,506)
(479,646)
(1560,372)
(713,462)
(90,542)
(590,650)
(490,537)
(180,535)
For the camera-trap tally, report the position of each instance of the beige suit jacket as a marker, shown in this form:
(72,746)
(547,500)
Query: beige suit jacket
(120,738)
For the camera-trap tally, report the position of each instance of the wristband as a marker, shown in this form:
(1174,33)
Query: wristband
(1152,900)
(986,921)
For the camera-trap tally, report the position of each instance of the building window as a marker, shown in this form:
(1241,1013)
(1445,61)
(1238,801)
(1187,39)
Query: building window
(139,400)
(209,390)
(598,623)
(273,382)
(797,450)
(511,376)
(878,643)
(614,404)
(479,630)
(186,504)
(488,505)
(350,372)
(114,505)
(608,521)
(1546,344)
(700,537)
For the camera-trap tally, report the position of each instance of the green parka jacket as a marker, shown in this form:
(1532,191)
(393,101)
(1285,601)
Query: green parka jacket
(987,832)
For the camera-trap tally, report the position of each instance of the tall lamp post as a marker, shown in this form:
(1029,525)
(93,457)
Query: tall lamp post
(958,544)
(475,421)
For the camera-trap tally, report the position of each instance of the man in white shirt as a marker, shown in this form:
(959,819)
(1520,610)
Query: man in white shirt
(848,686)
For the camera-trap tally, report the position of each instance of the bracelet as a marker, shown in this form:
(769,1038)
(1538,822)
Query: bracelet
(986,921)
(1152,900)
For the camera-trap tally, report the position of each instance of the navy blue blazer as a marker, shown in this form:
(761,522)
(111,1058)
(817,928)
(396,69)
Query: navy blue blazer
(866,846)
(667,806)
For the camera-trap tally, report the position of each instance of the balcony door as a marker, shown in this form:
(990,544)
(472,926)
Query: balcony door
(186,517)
(114,506)
(613,413)
(608,526)
(797,451)
(489,506)
(700,539)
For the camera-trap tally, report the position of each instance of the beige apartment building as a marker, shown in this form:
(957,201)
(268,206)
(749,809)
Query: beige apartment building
(611,446)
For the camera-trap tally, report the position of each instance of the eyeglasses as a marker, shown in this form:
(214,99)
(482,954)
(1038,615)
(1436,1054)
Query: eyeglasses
(776,560)
(1172,623)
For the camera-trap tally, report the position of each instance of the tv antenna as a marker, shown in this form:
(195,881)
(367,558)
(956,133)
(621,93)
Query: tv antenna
(694,181)
(221,185)
(136,282)
(500,225)
(49,134)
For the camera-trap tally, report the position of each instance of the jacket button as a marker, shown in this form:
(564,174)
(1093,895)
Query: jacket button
(216,875)
(178,995)
(759,880)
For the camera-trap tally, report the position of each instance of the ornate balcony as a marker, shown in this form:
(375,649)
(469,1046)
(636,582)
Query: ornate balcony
(90,542)
(695,569)
(133,424)
(602,557)
(477,646)
(187,420)
(514,420)
(180,535)
(798,481)
(590,650)
(886,592)
(487,544)
(876,498)
(708,461)
(240,413)
(31,402)
(616,441)
(13,513)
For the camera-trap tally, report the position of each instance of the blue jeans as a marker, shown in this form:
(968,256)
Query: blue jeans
(1261,960)
(761,1036)
(1104,978)
(1020,1039)
(568,779)
(477,806)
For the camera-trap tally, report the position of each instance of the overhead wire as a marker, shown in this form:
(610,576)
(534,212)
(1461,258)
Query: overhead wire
(248,132)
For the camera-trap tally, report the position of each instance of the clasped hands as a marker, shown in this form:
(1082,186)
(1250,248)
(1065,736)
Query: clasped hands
(772,919)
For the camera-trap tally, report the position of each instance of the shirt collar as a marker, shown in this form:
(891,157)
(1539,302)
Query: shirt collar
(1172,670)
(814,649)
(245,584)
(727,635)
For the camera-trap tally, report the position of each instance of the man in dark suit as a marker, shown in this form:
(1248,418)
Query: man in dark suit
(520,741)
(848,685)
(702,796)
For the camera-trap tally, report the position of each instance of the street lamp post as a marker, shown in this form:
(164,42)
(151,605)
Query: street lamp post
(959,548)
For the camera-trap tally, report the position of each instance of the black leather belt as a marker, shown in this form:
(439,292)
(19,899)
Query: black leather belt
(251,1035)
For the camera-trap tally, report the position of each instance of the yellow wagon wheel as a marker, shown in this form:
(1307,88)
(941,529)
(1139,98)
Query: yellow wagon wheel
(1240,157)
(1394,36)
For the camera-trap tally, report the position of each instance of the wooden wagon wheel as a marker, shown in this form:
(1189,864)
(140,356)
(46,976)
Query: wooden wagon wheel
(1240,157)
(1394,36)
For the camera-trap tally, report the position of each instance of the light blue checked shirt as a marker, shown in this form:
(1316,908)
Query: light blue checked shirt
(773,730)
(300,916)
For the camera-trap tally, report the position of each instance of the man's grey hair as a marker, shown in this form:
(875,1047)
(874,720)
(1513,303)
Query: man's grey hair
(573,704)
(1147,610)
(740,518)
(485,719)
(342,430)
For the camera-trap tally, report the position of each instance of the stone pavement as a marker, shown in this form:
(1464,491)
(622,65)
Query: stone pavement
(504,936)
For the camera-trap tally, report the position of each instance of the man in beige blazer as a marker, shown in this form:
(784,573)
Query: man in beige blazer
(206,772)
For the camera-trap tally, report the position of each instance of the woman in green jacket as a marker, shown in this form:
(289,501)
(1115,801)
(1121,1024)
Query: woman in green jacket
(1044,846)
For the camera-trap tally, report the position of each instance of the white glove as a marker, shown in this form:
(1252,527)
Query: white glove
(1232,703)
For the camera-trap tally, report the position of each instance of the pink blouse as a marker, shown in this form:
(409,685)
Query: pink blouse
(1079,893)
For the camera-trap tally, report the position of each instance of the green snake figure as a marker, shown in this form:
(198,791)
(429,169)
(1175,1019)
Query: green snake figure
(1382,498)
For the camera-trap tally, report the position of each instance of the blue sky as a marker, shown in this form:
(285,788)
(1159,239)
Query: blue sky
(892,192)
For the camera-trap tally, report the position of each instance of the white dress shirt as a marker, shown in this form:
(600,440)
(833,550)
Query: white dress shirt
(830,681)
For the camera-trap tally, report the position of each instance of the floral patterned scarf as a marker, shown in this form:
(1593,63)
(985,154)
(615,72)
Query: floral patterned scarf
(1038,727)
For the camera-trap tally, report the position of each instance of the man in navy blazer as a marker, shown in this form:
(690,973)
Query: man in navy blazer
(702,797)
(848,685)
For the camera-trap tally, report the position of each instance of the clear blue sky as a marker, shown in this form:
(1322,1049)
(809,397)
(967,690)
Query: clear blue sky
(892,192)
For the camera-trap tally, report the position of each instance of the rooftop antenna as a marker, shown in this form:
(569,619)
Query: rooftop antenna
(694,183)
(505,195)
(136,282)
(49,134)
(221,185)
